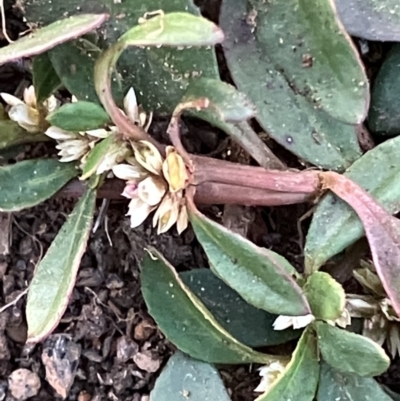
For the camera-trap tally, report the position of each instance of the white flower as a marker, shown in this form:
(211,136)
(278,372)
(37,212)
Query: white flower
(155,184)
(269,373)
(26,113)
(283,322)
(128,172)
(381,323)
(133,111)
(148,156)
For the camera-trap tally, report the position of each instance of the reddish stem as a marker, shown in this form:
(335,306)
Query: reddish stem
(208,193)
(221,171)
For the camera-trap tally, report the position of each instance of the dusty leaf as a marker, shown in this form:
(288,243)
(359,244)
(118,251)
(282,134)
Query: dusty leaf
(335,225)
(45,78)
(349,352)
(79,116)
(54,277)
(50,36)
(251,326)
(28,183)
(261,277)
(283,111)
(325,295)
(300,379)
(382,231)
(185,377)
(374,20)
(184,319)
(335,385)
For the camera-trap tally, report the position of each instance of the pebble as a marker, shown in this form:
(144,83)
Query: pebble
(146,361)
(126,348)
(23,384)
(143,330)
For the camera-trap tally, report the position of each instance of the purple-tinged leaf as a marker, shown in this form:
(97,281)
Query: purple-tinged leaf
(382,231)
(50,36)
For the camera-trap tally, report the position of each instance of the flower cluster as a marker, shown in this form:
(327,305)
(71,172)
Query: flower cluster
(381,323)
(27,113)
(154,183)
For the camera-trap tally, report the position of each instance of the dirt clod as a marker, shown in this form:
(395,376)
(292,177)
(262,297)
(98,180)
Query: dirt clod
(23,384)
(61,356)
(147,361)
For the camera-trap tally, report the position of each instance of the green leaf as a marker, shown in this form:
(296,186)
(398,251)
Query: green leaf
(174,69)
(384,116)
(228,105)
(12,134)
(335,385)
(261,277)
(168,29)
(325,295)
(28,183)
(284,112)
(79,116)
(50,36)
(185,377)
(75,66)
(45,78)
(185,321)
(321,64)
(300,380)
(349,352)
(162,30)
(335,225)
(54,277)
(97,155)
(374,20)
(249,325)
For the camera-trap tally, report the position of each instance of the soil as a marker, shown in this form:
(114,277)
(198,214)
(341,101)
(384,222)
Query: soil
(107,347)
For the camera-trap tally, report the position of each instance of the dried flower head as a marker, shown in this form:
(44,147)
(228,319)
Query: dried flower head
(155,183)
(26,112)
(381,323)
(270,373)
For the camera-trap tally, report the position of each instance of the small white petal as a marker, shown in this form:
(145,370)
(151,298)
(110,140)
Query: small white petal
(283,322)
(98,133)
(269,374)
(151,190)
(10,99)
(128,172)
(138,211)
(131,106)
(30,96)
(167,214)
(59,134)
(149,157)
(302,321)
(183,220)
(51,104)
(27,117)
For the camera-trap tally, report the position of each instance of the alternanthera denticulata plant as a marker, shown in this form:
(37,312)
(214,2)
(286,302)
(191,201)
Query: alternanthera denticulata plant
(271,303)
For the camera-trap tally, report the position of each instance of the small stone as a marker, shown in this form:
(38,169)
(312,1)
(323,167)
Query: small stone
(84,396)
(25,246)
(60,357)
(126,348)
(23,384)
(143,330)
(147,361)
(114,282)
(145,398)
(3,269)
